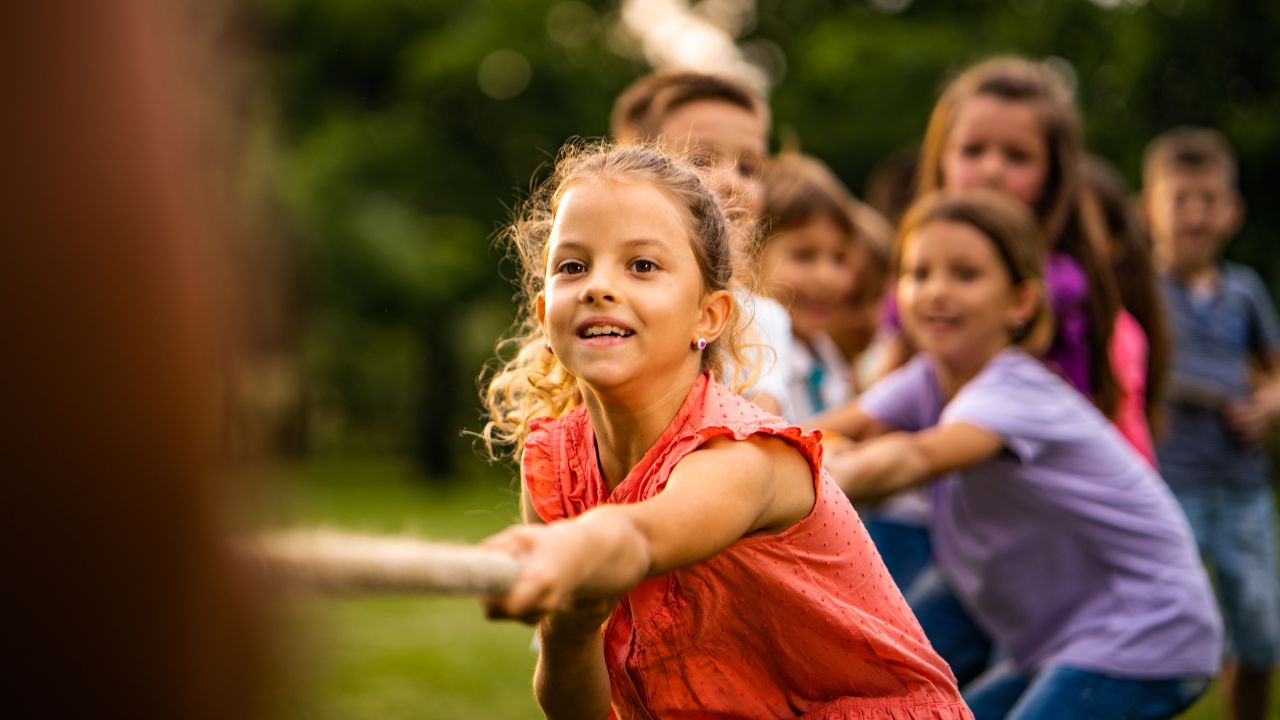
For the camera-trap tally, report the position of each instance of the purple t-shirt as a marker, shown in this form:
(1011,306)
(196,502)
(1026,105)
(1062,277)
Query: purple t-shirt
(1066,284)
(1067,547)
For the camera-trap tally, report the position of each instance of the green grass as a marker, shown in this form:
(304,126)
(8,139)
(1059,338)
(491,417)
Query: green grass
(401,657)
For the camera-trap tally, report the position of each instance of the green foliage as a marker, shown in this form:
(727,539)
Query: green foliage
(398,167)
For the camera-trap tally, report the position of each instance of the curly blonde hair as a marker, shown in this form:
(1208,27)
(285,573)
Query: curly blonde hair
(533,383)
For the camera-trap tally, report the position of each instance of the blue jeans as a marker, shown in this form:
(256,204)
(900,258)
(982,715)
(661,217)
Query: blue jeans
(905,548)
(1054,692)
(1060,691)
(954,635)
(1235,528)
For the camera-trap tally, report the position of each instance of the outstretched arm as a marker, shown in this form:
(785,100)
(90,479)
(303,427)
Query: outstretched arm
(570,681)
(714,496)
(850,421)
(572,571)
(893,462)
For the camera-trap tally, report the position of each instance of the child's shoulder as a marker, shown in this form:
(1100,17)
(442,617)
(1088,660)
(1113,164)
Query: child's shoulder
(724,414)
(720,405)
(1017,379)
(1243,278)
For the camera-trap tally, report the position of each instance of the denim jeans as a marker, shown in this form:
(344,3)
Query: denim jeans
(954,634)
(1235,528)
(904,547)
(1060,691)
(1054,692)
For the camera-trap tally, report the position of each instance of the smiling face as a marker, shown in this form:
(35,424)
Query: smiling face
(998,144)
(958,300)
(623,298)
(808,269)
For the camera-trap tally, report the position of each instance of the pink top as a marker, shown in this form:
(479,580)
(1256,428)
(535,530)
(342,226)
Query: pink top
(803,622)
(1128,355)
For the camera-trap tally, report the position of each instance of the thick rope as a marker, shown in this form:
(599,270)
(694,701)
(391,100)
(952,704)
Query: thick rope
(332,562)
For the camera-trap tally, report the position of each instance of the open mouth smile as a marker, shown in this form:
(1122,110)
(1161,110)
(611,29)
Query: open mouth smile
(939,323)
(600,332)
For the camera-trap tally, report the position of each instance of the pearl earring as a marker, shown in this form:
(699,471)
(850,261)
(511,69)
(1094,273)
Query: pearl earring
(701,344)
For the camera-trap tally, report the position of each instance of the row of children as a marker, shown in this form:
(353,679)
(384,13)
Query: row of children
(687,550)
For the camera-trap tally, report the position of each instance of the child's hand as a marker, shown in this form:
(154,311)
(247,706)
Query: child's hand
(833,443)
(1251,418)
(548,556)
(582,618)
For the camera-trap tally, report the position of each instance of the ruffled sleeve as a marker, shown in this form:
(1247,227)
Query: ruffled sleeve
(538,470)
(559,473)
(725,414)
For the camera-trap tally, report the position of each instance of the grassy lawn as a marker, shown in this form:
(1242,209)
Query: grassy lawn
(424,658)
(402,657)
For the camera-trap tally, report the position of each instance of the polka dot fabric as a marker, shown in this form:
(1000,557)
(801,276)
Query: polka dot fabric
(805,622)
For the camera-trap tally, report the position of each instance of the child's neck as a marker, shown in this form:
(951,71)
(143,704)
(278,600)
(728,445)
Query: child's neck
(1201,278)
(626,425)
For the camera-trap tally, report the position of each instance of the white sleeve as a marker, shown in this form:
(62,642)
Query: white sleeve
(773,325)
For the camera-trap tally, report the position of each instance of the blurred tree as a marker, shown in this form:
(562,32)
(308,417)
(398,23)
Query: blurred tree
(409,129)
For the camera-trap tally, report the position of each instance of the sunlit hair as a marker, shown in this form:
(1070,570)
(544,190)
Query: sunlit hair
(1067,213)
(1188,149)
(1014,234)
(641,109)
(1135,274)
(532,383)
(798,189)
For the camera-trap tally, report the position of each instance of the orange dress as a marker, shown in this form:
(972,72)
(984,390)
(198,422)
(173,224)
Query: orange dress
(806,622)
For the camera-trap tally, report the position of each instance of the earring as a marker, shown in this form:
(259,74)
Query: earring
(549,350)
(701,344)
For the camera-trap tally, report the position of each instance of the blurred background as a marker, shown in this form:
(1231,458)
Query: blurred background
(385,143)
(393,137)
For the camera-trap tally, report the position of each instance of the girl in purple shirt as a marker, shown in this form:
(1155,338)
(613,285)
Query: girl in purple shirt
(1060,542)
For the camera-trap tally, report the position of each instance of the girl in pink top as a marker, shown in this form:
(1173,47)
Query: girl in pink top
(685,554)
(1140,344)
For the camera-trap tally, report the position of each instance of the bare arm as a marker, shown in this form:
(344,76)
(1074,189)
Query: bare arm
(714,496)
(571,572)
(850,421)
(570,680)
(893,462)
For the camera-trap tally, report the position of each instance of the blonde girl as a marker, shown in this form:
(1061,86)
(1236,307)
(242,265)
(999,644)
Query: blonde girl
(684,552)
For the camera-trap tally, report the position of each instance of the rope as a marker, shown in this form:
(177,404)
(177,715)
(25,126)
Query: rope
(341,563)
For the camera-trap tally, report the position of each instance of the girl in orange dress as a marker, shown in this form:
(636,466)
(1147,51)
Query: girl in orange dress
(684,553)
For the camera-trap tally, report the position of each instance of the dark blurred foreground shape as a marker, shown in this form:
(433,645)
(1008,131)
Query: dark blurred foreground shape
(121,596)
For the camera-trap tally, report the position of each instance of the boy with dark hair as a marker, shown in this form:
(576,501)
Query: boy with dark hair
(1223,395)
